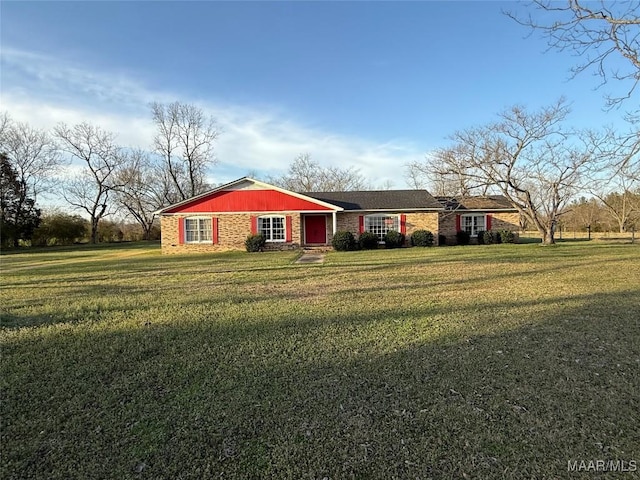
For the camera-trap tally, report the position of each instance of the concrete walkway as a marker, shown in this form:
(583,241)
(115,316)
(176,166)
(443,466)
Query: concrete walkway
(311,257)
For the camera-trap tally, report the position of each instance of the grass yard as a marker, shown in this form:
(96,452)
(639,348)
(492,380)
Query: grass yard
(498,361)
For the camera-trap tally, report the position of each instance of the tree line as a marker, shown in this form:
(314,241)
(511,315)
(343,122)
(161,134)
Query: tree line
(108,178)
(532,157)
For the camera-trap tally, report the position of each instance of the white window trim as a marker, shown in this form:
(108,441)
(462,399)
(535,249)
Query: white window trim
(284,227)
(198,241)
(473,215)
(384,215)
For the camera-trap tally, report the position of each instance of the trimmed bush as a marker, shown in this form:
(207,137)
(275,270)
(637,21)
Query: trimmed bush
(255,243)
(442,240)
(343,241)
(480,238)
(393,239)
(422,238)
(489,237)
(462,237)
(507,236)
(368,241)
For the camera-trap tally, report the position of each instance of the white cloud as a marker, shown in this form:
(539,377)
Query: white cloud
(45,91)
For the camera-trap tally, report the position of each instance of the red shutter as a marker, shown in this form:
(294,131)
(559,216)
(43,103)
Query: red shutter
(403,224)
(181,230)
(488,222)
(254,225)
(361,224)
(458,223)
(214,225)
(287,230)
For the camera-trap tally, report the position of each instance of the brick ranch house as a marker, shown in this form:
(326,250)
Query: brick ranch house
(222,218)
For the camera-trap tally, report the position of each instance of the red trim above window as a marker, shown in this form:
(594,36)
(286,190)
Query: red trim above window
(254,225)
(214,225)
(458,223)
(361,224)
(180,230)
(488,222)
(403,224)
(288,228)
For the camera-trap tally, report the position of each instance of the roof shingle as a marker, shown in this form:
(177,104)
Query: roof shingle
(485,202)
(379,199)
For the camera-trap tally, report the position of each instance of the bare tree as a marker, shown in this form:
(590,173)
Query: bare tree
(623,207)
(141,189)
(184,140)
(306,175)
(445,173)
(617,174)
(526,157)
(91,189)
(584,213)
(598,32)
(33,155)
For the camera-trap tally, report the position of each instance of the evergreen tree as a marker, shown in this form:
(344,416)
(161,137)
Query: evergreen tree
(18,215)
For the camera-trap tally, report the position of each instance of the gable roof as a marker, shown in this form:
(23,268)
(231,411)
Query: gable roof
(379,200)
(257,202)
(480,202)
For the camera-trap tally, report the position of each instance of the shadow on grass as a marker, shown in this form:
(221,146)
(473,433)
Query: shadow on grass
(396,395)
(137,284)
(82,247)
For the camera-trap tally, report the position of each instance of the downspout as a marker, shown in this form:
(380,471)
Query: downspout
(334,218)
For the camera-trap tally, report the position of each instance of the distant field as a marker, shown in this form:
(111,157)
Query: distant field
(606,236)
(491,362)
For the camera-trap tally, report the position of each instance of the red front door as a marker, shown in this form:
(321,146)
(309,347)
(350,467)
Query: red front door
(315,229)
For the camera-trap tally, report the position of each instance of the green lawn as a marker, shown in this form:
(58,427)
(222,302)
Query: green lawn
(498,361)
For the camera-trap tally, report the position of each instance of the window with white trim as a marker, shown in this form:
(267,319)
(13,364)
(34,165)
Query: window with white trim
(198,230)
(273,228)
(472,224)
(381,224)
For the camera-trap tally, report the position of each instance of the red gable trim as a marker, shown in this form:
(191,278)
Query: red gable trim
(247,201)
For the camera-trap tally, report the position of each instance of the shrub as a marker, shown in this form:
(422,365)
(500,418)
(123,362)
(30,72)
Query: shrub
(422,238)
(255,243)
(481,238)
(442,240)
(368,241)
(343,241)
(489,237)
(59,228)
(462,237)
(393,239)
(507,236)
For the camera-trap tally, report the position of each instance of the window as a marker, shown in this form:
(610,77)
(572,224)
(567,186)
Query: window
(273,228)
(472,224)
(381,224)
(198,230)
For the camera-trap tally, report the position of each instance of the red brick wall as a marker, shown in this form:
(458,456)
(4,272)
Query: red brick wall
(415,221)
(499,221)
(233,229)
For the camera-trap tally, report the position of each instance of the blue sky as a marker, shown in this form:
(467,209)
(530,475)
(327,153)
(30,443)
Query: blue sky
(371,85)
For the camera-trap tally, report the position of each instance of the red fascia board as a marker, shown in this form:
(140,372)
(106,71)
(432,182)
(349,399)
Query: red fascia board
(248,201)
